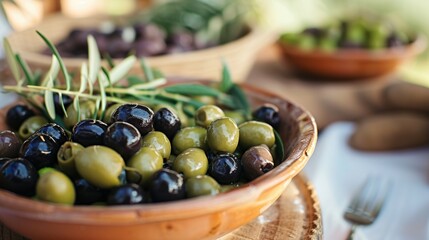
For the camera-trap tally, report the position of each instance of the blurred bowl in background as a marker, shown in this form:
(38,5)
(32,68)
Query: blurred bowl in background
(206,63)
(347,64)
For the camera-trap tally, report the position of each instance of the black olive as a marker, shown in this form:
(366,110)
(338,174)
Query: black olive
(124,138)
(67,100)
(268,113)
(139,116)
(167,185)
(167,122)
(41,150)
(89,132)
(127,194)
(225,169)
(55,131)
(17,114)
(87,193)
(9,144)
(3,160)
(19,176)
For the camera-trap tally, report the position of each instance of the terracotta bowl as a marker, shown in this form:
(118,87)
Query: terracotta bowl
(207,217)
(240,54)
(350,63)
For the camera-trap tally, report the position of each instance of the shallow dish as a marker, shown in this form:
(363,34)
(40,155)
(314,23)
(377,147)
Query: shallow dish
(350,63)
(203,64)
(200,218)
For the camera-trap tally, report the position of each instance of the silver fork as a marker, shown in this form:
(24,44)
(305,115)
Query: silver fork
(366,204)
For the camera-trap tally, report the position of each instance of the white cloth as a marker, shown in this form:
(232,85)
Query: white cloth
(337,171)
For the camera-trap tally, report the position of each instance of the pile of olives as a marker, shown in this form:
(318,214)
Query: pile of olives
(142,40)
(357,32)
(135,155)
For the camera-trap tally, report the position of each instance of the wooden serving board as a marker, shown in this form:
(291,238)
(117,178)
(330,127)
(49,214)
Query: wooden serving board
(295,215)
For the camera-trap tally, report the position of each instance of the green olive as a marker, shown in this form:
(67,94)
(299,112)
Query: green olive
(54,186)
(207,114)
(86,111)
(237,116)
(201,185)
(253,133)
(100,166)
(158,141)
(66,156)
(205,99)
(192,162)
(31,125)
(223,135)
(146,161)
(189,137)
(108,113)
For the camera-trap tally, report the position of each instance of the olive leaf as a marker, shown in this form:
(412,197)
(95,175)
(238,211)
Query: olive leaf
(49,99)
(94,59)
(193,89)
(241,100)
(279,147)
(60,60)
(53,71)
(103,92)
(11,60)
(25,69)
(226,82)
(147,71)
(149,85)
(122,69)
(84,80)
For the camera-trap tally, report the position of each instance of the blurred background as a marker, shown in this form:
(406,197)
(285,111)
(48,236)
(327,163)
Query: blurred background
(278,15)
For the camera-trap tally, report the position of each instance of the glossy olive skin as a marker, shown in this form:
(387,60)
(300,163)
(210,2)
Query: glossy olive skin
(127,194)
(146,162)
(55,131)
(139,116)
(17,114)
(89,132)
(167,185)
(124,138)
(257,161)
(67,100)
(19,176)
(191,162)
(66,157)
(267,113)
(88,194)
(100,166)
(86,111)
(9,144)
(201,185)
(253,133)
(207,114)
(225,169)
(54,186)
(189,137)
(167,122)
(159,142)
(40,149)
(223,135)
(109,111)
(237,116)
(31,125)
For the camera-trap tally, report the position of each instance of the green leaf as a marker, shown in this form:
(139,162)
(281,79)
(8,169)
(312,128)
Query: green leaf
(60,97)
(60,60)
(109,60)
(241,99)
(122,69)
(49,99)
(279,147)
(193,89)
(94,60)
(11,60)
(148,74)
(25,69)
(103,93)
(149,85)
(226,83)
(76,106)
(84,78)
(53,71)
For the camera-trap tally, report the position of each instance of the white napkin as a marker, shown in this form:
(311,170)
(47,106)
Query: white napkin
(337,171)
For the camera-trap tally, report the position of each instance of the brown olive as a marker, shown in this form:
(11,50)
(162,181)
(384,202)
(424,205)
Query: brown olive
(256,161)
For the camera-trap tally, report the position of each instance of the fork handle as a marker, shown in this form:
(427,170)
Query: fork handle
(351,234)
